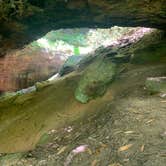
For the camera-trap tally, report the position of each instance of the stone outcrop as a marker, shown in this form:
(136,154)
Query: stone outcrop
(101,68)
(24,68)
(23,21)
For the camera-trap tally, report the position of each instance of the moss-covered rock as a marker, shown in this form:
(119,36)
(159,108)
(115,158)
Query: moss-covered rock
(95,79)
(156,84)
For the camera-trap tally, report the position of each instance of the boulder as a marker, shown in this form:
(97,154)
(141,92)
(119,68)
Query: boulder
(95,79)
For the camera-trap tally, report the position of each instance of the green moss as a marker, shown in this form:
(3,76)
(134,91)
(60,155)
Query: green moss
(95,80)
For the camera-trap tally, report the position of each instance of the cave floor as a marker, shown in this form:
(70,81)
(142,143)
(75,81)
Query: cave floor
(125,127)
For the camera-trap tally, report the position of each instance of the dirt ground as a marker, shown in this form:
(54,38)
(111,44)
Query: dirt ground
(128,128)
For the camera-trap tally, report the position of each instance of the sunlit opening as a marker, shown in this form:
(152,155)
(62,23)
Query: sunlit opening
(43,59)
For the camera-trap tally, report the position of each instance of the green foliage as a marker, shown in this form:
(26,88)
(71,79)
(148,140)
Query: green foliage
(75,37)
(76,51)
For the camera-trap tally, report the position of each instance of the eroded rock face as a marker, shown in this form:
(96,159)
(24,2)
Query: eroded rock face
(23,68)
(29,20)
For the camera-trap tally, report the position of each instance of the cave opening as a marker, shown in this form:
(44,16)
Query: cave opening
(82,83)
(44,58)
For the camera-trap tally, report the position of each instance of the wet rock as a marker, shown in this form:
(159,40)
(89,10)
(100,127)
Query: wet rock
(54,77)
(95,79)
(27,90)
(156,84)
(71,64)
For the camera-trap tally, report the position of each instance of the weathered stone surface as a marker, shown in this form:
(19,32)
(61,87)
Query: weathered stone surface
(29,20)
(70,64)
(101,67)
(150,48)
(156,84)
(21,69)
(95,79)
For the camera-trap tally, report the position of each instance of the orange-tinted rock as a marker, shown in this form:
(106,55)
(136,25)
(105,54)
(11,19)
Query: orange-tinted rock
(22,69)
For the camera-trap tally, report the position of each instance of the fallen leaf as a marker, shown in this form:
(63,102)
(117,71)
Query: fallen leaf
(149,121)
(61,150)
(126,147)
(126,160)
(103,145)
(164,101)
(129,132)
(89,151)
(117,132)
(142,148)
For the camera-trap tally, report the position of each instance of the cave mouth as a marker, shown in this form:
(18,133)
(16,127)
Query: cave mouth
(44,58)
